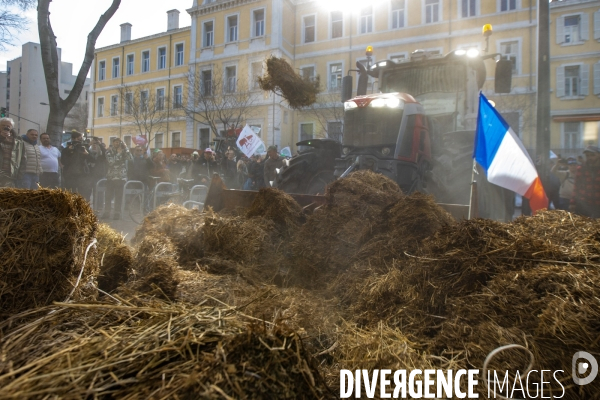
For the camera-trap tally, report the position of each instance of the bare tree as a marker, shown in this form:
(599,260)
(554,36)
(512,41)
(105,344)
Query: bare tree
(218,99)
(77,118)
(59,108)
(11,22)
(145,110)
(329,113)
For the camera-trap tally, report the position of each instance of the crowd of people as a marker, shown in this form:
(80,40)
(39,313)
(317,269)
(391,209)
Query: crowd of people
(30,161)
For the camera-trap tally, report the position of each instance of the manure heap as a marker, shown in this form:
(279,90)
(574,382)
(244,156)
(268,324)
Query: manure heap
(268,302)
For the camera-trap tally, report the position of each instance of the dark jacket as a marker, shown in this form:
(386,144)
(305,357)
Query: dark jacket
(75,161)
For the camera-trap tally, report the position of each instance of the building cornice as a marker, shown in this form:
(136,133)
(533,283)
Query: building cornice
(573,112)
(219,5)
(142,39)
(572,3)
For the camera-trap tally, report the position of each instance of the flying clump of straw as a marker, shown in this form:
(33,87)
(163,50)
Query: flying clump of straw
(283,80)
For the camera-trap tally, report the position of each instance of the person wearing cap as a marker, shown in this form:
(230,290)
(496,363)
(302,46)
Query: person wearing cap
(586,193)
(565,171)
(272,162)
(209,165)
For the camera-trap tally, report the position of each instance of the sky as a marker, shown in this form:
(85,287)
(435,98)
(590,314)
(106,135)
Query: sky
(72,20)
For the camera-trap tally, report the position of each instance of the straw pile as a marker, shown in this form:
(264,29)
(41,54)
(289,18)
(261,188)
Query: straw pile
(283,80)
(143,348)
(178,224)
(44,235)
(155,268)
(279,207)
(116,259)
(329,239)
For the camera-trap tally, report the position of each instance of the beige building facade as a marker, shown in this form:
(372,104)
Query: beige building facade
(229,40)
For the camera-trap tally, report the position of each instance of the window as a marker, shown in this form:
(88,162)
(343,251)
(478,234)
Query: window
(145,61)
(114,105)
(334,130)
(160,99)
(432,11)
(256,73)
(115,68)
(337,24)
(308,72)
(158,141)
(232,28)
(102,70)
(398,10)
(206,83)
(259,23)
(309,28)
(257,129)
(230,79)
(366,20)
(204,138)
(208,38)
(306,131)
(162,58)
(468,8)
(176,139)
(572,81)
(510,51)
(571,135)
(177,96)
(572,29)
(508,5)
(130,64)
(127,140)
(144,101)
(100,109)
(178,54)
(128,103)
(335,76)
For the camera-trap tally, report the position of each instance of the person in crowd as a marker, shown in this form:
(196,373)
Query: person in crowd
(157,167)
(273,161)
(229,167)
(175,167)
(97,164)
(565,171)
(242,170)
(76,170)
(116,176)
(256,174)
(12,153)
(30,171)
(586,193)
(137,168)
(50,159)
(209,164)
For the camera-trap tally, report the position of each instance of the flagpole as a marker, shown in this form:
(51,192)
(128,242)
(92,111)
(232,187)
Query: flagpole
(473,193)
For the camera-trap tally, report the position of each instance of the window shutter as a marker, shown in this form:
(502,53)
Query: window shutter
(560,30)
(560,81)
(597,25)
(585,79)
(597,78)
(585,26)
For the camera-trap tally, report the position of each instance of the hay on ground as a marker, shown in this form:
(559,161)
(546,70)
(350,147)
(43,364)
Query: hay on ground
(277,206)
(155,268)
(149,349)
(116,258)
(44,235)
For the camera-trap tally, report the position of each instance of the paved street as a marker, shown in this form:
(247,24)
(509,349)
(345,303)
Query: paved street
(125,226)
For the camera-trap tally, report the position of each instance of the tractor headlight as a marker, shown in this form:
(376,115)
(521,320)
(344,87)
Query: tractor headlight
(385,151)
(349,105)
(345,151)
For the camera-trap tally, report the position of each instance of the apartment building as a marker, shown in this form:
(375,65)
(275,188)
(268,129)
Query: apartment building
(575,69)
(229,41)
(139,87)
(23,90)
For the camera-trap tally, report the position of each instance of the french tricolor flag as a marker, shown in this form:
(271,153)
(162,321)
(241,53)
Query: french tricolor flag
(504,158)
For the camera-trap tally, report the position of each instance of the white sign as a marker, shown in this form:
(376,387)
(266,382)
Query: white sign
(286,152)
(249,142)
